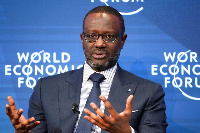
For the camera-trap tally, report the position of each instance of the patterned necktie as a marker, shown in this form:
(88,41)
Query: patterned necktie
(84,126)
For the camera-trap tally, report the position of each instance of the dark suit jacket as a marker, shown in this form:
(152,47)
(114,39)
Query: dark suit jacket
(52,99)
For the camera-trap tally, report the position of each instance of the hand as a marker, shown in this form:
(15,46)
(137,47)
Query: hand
(115,123)
(19,122)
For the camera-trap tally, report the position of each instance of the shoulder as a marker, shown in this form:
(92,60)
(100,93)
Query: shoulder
(52,83)
(144,87)
(62,76)
(134,78)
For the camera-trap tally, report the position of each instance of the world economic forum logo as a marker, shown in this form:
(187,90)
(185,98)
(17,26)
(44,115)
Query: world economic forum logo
(129,2)
(180,70)
(32,66)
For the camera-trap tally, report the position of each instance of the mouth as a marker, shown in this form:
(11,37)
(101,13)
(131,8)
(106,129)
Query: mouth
(99,55)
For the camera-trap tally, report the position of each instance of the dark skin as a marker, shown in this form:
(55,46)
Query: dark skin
(19,122)
(106,23)
(99,53)
(115,123)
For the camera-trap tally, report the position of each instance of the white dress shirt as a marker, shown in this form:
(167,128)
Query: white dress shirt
(87,86)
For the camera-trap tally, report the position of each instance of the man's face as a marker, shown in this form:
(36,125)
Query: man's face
(101,55)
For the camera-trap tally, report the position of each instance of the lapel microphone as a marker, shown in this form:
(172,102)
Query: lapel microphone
(75,108)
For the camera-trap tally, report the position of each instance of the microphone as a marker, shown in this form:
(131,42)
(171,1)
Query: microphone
(75,108)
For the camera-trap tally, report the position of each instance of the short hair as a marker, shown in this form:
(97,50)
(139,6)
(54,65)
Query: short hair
(108,10)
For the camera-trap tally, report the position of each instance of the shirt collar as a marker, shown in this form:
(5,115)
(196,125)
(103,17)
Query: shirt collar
(87,71)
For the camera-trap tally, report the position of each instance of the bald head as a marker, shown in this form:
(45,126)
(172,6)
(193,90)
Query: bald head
(107,10)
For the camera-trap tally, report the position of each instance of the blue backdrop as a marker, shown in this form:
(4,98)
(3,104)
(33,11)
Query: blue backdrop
(42,37)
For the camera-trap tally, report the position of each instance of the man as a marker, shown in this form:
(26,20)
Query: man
(51,102)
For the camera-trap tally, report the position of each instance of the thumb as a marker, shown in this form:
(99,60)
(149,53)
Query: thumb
(128,109)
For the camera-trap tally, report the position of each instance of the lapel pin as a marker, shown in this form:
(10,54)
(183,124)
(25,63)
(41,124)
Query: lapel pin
(129,90)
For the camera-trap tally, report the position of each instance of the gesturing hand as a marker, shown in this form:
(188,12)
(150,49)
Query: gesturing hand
(19,122)
(115,123)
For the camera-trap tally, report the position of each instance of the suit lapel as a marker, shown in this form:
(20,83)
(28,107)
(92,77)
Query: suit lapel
(76,80)
(69,93)
(123,85)
(121,88)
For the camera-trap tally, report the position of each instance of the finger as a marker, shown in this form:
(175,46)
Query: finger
(94,122)
(109,107)
(91,114)
(24,123)
(128,109)
(103,118)
(94,116)
(8,111)
(17,116)
(91,117)
(31,126)
(11,103)
(28,121)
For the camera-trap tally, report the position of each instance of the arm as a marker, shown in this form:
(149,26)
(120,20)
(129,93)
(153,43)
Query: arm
(19,122)
(153,119)
(36,109)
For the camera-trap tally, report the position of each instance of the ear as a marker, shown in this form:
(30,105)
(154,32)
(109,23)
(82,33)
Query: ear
(123,40)
(82,38)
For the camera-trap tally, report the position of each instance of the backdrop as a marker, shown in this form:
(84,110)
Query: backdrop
(40,38)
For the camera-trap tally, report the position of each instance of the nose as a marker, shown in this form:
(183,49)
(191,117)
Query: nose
(100,42)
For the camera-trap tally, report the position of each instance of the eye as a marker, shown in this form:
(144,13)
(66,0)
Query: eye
(92,35)
(110,36)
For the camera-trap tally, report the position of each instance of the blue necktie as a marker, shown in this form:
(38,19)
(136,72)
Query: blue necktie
(84,126)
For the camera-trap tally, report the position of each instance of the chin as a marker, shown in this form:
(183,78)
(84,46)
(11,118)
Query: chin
(99,63)
(100,66)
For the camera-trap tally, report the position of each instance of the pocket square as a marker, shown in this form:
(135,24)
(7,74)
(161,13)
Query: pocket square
(133,111)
